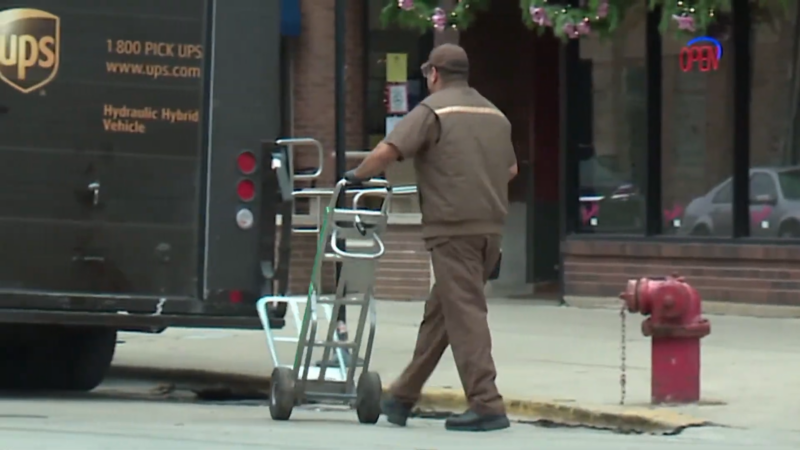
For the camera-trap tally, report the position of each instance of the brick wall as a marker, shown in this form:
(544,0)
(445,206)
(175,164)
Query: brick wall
(314,80)
(766,274)
(403,272)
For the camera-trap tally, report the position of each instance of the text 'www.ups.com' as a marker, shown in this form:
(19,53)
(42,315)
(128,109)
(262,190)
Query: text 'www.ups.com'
(153,71)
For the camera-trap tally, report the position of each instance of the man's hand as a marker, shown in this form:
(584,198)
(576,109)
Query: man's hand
(512,171)
(350,177)
(373,165)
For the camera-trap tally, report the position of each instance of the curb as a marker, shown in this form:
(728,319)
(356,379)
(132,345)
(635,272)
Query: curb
(623,420)
(221,385)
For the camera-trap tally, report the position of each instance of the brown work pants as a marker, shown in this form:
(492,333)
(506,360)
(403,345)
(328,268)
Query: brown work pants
(456,315)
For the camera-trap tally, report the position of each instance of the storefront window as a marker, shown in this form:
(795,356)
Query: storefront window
(612,135)
(775,123)
(697,132)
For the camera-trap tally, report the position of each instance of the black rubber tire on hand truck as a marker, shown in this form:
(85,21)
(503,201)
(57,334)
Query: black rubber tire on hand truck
(281,397)
(368,397)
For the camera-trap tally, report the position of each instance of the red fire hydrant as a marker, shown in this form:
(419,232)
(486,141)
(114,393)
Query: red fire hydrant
(676,325)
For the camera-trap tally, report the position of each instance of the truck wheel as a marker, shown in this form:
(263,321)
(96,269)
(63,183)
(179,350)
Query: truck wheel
(29,353)
(85,357)
(12,374)
(40,357)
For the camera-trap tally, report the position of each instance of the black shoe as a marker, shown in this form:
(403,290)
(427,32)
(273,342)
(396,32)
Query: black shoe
(472,421)
(395,411)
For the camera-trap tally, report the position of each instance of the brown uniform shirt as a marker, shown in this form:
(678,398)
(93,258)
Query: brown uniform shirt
(462,150)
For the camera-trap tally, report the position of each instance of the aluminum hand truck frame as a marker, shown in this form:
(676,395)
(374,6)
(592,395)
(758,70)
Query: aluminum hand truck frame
(291,384)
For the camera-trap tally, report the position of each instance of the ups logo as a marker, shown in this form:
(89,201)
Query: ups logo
(29,48)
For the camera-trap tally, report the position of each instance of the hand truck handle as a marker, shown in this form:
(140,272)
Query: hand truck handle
(343,184)
(384,193)
(292,143)
(372,182)
(346,254)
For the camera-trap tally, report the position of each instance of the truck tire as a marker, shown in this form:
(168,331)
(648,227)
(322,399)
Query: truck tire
(57,358)
(84,359)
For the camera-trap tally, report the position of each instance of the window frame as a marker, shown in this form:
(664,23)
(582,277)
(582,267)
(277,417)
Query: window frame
(739,182)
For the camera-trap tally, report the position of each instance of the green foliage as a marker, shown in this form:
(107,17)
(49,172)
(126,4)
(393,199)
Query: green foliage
(600,17)
(592,16)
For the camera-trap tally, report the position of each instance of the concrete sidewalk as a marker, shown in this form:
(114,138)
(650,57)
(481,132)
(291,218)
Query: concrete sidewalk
(564,355)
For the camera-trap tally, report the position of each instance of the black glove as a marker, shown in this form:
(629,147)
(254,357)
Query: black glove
(350,177)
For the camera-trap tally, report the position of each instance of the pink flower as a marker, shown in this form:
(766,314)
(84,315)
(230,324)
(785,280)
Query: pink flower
(684,22)
(406,4)
(583,27)
(602,9)
(439,19)
(539,16)
(571,30)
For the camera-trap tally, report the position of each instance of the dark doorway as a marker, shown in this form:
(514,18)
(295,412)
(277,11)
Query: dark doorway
(518,70)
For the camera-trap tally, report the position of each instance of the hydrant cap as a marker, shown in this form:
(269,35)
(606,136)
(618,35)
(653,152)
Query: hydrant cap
(631,295)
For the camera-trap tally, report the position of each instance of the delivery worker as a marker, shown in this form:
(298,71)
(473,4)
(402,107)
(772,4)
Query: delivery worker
(464,159)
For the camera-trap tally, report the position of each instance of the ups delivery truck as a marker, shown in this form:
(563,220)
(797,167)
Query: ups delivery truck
(138,187)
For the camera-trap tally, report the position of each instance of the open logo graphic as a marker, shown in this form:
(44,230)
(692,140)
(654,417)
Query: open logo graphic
(30,41)
(702,53)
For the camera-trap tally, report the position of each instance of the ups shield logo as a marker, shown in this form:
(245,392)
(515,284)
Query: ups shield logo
(29,48)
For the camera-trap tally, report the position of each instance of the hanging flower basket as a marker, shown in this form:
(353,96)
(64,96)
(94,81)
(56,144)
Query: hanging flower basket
(422,15)
(565,21)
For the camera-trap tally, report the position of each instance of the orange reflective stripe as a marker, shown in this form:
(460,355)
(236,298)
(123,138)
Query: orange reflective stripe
(469,110)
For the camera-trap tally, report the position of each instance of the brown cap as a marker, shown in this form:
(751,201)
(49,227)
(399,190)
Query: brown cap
(449,58)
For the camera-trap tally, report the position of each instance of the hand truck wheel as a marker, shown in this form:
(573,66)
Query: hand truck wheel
(368,397)
(281,397)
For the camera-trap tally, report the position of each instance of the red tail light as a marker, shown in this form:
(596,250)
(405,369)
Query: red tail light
(246,162)
(246,190)
(235,296)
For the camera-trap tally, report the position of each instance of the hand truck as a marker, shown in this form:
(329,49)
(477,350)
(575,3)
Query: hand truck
(291,384)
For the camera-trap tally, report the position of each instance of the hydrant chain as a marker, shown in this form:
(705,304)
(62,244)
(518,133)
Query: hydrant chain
(623,382)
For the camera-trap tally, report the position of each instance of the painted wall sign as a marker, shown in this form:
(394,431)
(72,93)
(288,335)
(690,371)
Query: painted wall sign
(702,53)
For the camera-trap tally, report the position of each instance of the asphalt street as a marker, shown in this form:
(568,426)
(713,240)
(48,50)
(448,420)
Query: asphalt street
(101,423)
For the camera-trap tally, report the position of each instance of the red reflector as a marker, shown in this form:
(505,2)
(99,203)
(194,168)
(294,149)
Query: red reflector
(235,296)
(246,190)
(246,162)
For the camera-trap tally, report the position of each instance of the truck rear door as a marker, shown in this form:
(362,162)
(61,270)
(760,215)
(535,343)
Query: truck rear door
(245,113)
(101,146)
